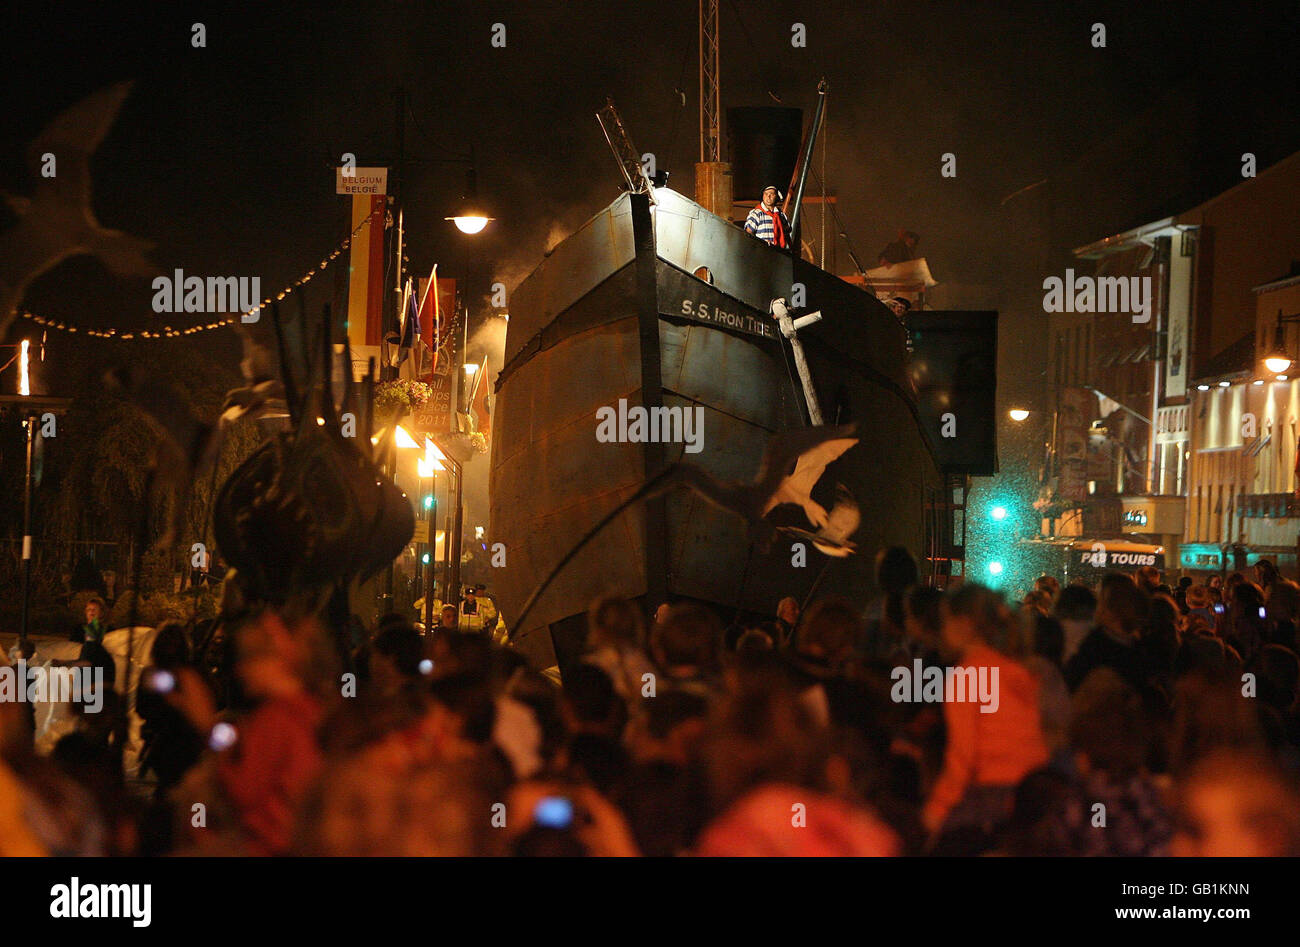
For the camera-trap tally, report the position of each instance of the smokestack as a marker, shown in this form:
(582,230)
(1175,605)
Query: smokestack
(763,144)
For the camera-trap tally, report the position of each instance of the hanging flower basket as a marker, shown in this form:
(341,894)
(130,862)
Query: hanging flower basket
(400,396)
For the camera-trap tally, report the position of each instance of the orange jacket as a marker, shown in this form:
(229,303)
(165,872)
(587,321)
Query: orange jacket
(988,749)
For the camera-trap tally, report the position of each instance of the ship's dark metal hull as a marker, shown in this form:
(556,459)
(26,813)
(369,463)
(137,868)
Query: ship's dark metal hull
(575,345)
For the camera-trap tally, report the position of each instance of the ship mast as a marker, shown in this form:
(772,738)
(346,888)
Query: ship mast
(712,174)
(710,91)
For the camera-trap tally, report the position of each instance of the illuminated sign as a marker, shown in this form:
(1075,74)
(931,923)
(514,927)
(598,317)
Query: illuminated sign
(371,181)
(1112,560)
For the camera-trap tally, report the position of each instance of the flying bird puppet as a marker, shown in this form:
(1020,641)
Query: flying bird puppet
(58,220)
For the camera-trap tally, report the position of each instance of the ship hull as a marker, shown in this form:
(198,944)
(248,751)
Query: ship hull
(670,310)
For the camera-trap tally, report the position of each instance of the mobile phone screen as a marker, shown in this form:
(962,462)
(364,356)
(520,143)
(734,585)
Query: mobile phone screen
(554,812)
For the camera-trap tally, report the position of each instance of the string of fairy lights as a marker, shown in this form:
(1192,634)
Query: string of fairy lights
(172,332)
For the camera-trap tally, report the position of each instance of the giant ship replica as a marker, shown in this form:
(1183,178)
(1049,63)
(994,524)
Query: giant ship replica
(656,302)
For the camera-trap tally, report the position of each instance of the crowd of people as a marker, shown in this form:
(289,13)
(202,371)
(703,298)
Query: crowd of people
(1131,719)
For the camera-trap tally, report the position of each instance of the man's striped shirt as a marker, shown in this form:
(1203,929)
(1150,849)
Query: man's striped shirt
(763,226)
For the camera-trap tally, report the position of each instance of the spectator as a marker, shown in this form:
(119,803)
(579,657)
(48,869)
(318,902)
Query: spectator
(686,647)
(1148,579)
(1111,773)
(1075,609)
(1122,613)
(1235,805)
(885,619)
(1048,584)
(96,625)
(766,763)
(268,761)
(901,250)
(171,744)
(787,619)
(615,644)
(987,752)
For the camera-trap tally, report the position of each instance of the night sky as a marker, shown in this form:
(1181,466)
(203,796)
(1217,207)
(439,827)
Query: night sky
(222,155)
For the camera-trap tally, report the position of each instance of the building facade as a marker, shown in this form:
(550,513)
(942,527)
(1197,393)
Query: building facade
(1190,441)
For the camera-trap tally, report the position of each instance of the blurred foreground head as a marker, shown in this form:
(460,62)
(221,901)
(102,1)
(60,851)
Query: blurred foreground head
(766,764)
(974,614)
(614,623)
(1234,804)
(279,654)
(432,811)
(831,631)
(687,640)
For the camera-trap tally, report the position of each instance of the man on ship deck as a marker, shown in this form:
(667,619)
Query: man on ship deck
(767,222)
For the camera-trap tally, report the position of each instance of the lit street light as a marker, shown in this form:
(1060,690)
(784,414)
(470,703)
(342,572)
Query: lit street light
(1277,363)
(470,223)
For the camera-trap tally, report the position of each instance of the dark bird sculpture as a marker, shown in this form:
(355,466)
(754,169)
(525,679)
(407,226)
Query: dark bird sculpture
(792,464)
(309,512)
(58,220)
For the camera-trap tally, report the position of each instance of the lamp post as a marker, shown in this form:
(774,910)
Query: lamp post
(471,216)
(470,219)
(457,511)
(400,441)
(429,466)
(32,408)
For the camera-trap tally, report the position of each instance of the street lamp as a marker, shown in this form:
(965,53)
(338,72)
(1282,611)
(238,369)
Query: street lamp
(470,218)
(1018,414)
(470,222)
(32,409)
(1277,360)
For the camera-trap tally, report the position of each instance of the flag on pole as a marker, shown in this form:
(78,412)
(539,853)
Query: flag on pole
(479,409)
(401,343)
(430,315)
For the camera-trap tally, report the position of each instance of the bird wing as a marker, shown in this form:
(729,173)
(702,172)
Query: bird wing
(785,448)
(811,463)
(74,134)
(820,542)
